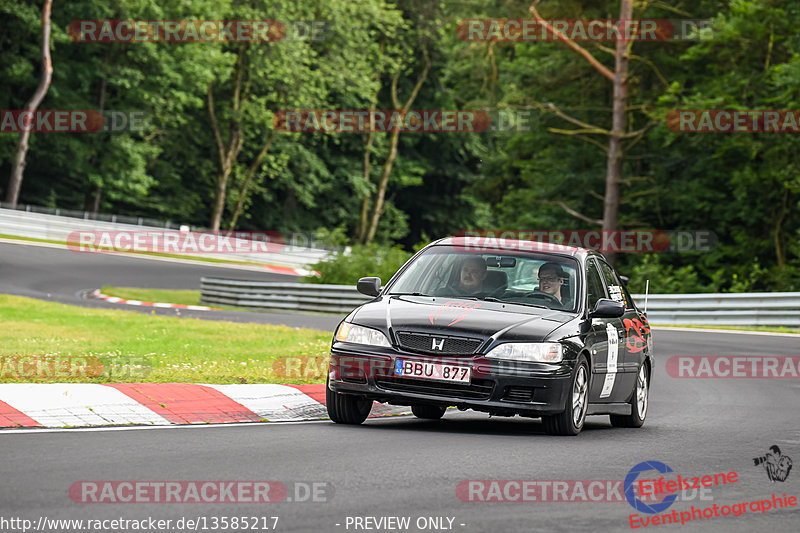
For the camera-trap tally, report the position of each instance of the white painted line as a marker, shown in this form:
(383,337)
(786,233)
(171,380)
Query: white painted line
(12,431)
(113,299)
(76,404)
(732,331)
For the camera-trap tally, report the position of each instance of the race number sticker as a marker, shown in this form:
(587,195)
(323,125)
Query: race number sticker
(611,366)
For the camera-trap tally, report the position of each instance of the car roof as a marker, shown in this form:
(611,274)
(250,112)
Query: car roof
(494,244)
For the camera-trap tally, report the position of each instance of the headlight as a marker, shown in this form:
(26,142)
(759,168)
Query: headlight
(360,335)
(534,352)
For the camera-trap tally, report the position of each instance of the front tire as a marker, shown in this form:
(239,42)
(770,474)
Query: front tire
(570,422)
(346,408)
(639,403)
(428,412)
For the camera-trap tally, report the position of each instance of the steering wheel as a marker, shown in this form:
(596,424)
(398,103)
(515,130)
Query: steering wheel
(544,296)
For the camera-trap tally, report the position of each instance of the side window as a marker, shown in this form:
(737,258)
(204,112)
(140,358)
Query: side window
(594,284)
(614,285)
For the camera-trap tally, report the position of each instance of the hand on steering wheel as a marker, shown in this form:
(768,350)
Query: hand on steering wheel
(543,295)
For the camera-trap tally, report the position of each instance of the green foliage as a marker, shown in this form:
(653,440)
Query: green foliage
(347,266)
(745,187)
(664,279)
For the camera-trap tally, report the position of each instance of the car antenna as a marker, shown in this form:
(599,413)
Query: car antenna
(646,291)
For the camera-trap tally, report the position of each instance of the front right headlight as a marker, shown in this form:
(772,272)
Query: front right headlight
(348,332)
(533,352)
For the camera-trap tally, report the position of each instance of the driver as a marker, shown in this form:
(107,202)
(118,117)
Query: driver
(551,279)
(470,278)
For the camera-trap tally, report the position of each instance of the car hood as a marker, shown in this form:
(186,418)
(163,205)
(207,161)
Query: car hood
(460,317)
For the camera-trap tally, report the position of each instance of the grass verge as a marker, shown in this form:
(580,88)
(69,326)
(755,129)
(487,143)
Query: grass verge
(154,295)
(135,347)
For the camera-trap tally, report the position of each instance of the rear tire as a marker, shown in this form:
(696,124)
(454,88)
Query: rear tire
(428,412)
(639,403)
(570,422)
(346,408)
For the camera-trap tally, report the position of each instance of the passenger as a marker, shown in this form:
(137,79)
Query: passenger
(551,281)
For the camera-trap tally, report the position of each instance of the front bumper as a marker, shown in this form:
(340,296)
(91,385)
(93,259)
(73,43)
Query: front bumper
(527,389)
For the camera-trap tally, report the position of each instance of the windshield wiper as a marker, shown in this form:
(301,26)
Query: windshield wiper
(408,294)
(532,305)
(493,299)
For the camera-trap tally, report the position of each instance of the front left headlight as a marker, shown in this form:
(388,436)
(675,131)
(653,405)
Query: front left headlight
(533,352)
(348,332)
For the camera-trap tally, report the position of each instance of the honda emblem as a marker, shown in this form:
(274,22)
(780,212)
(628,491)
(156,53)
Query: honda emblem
(438,346)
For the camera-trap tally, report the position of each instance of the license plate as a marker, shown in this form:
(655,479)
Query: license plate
(433,371)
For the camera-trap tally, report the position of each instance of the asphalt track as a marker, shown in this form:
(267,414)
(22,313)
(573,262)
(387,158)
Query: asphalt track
(59,275)
(410,468)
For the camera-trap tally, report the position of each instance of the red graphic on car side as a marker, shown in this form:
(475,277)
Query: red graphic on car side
(636,331)
(465,307)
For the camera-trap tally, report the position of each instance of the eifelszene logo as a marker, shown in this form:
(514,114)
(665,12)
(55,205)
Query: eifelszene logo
(630,485)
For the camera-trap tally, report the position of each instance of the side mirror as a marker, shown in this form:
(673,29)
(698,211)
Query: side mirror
(625,280)
(369,286)
(606,308)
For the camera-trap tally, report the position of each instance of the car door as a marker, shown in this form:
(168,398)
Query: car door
(626,363)
(598,337)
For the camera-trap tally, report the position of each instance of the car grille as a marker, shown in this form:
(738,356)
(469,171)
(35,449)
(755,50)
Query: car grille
(423,342)
(479,389)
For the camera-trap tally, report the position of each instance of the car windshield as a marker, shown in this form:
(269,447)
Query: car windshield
(532,279)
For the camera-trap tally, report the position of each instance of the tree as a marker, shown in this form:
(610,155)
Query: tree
(619,78)
(292,73)
(377,207)
(15,182)
(410,56)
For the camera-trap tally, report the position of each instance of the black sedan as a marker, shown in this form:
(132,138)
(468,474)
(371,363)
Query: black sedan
(508,328)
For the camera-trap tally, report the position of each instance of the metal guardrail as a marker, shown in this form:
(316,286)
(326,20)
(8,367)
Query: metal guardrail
(748,309)
(281,296)
(87,215)
(56,227)
(732,309)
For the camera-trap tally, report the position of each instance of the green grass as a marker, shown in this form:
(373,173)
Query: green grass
(136,347)
(156,254)
(154,295)
(769,329)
